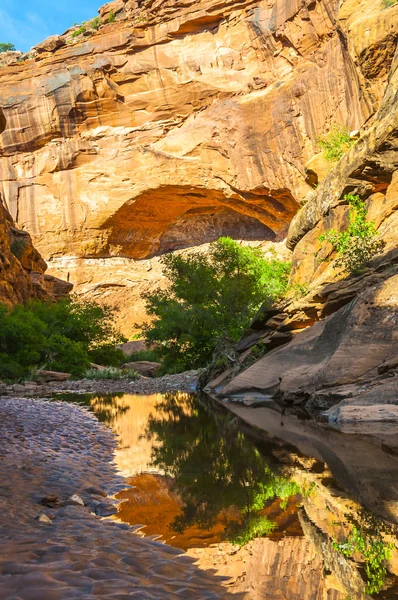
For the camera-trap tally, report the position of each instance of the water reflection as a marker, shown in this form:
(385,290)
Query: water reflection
(197,480)
(215,469)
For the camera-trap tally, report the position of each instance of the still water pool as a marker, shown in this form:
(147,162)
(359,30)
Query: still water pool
(200,477)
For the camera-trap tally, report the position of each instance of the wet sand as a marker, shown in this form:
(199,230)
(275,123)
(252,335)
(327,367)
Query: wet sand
(61,449)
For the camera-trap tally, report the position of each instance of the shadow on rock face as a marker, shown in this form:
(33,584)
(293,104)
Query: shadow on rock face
(3,121)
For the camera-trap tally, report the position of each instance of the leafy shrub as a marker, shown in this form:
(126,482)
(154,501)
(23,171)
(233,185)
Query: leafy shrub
(150,355)
(62,336)
(7,47)
(358,243)
(18,247)
(210,297)
(96,23)
(367,540)
(336,142)
(252,527)
(111,18)
(111,373)
(388,3)
(82,29)
(300,290)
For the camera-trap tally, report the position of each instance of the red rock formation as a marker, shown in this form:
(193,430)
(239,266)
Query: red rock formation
(177,111)
(22,269)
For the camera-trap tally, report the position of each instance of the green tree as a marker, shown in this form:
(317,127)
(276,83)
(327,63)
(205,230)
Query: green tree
(7,47)
(358,243)
(64,336)
(211,296)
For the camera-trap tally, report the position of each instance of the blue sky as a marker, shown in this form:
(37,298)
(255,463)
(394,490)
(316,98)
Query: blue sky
(24,23)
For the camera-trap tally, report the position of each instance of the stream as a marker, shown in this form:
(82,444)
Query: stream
(200,477)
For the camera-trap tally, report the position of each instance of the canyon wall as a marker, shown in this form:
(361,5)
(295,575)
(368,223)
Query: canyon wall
(22,269)
(180,122)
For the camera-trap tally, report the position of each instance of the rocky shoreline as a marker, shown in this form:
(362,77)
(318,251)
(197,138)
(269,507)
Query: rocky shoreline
(61,549)
(184,382)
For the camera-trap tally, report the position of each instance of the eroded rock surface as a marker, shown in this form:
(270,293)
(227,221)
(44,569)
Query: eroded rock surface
(179,116)
(22,269)
(338,350)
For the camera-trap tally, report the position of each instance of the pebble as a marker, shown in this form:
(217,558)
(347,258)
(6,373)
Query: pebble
(44,519)
(75,500)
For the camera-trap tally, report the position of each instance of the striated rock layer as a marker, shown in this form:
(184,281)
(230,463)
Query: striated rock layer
(22,269)
(335,348)
(181,116)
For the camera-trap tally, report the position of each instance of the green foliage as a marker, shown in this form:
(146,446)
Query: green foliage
(366,539)
(188,435)
(150,355)
(111,373)
(82,29)
(300,290)
(62,336)
(210,297)
(358,243)
(336,142)
(6,47)
(388,3)
(18,246)
(111,18)
(96,23)
(241,533)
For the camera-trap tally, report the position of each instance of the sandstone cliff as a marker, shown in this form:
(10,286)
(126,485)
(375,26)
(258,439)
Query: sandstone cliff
(179,122)
(339,342)
(22,269)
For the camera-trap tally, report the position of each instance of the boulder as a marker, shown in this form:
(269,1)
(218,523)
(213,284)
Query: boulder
(132,346)
(44,519)
(48,376)
(10,58)
(18,388)
(317,168)
(51,501)
(143,367)
(339,350)
(96,367)
(50,44)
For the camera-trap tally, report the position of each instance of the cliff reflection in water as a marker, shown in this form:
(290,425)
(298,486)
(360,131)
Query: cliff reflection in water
(198,480)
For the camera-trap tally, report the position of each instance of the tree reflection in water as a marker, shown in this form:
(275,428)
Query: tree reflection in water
(214,468)
(106,407)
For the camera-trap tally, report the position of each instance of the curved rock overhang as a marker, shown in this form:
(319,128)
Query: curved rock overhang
(174,217)
(112,133)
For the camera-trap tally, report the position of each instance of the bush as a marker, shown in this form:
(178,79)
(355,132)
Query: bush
(210,297)
(111,18)
(150,355)
(82,29)
(336,143)
(388,3)
(111,373)
(358,243)
(61,336)
(7,47)
(96,23)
